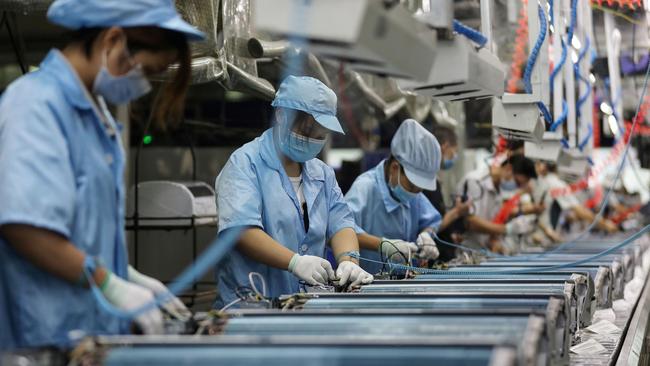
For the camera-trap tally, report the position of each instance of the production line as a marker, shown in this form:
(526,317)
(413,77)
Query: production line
(324,182)
(493,319)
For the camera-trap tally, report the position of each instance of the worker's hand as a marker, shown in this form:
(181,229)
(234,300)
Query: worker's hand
(173,306)
(390,249)
(129,296)
(462,208)
(311,269)
(609,226)
(520,225)
(351,272)
(427,248)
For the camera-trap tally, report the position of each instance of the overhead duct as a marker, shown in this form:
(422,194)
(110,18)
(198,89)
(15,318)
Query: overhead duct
(207,66)
(241,69)
(258,49)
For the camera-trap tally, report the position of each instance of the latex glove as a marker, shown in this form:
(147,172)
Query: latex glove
(173,306)
(129,296)
(311,269)
(427,246)
(520,225)
(391,247)
(351,272)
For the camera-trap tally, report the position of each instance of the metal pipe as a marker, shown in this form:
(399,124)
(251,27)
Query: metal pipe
(240,80)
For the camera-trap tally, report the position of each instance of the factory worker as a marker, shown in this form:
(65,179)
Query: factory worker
(487,195)
(287,201)
(394,218)
(62,164)
(556,204)
(453,223)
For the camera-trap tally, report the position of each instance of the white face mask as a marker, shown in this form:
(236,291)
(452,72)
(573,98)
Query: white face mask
(121,89)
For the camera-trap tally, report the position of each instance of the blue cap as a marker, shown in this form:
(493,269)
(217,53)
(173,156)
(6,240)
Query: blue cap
(418,152)
(78,14)
(311,96)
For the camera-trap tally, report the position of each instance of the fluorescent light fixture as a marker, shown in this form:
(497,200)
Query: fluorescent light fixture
(613,125)
(606,108)
(575,42)
(592,78)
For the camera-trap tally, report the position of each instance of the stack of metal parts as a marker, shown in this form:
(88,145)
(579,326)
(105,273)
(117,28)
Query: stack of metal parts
(505,311)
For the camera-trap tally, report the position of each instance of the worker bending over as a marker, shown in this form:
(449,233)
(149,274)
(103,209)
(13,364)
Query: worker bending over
(488,221)
(394,218)
(287,202)
(62,172)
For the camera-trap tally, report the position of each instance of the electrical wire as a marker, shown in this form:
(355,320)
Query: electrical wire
(629,240)
(532,59)
(472,34)
(617,177)
(251,279)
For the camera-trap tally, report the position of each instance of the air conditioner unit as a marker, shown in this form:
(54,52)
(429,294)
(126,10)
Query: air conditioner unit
(572,165)
(369,35)
(460,72)
(516,116)
(549,149)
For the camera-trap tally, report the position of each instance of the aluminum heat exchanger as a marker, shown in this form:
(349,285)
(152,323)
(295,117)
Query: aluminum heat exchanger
(528,332)
(289,351)
(601,275)
(576,292)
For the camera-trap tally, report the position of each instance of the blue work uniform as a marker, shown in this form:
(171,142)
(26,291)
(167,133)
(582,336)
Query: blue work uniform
(61,169)
(377,213)
(254,190)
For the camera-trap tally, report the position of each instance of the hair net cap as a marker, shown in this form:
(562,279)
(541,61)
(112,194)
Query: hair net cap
(418,151)
(311,96)
(78,14)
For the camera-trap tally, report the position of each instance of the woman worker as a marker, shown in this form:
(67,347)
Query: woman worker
(62,164)
(287,202)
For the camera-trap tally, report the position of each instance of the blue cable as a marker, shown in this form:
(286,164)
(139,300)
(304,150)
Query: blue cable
(584,142)
(631,239)
(576,68)
(565,113)
(532,59)
(600,213)
(212,255)
(558,67)
(534,53)
(572,24)
(474,35)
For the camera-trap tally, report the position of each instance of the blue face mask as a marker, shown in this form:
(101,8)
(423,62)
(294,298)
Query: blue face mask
(449,163)
(121,89)
(402,195)
(297,147)
(508,185)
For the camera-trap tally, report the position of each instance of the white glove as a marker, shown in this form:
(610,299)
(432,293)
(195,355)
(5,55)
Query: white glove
(129,296)
(350,271)
(173,306)
(391,247)
(520,225)
(311,269)
(427,246)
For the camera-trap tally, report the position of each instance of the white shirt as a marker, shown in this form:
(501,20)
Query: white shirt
(543,188)
(296,182)
(486,202)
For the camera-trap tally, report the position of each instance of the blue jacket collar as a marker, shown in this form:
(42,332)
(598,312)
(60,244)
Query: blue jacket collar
(72,87)
(390,203)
